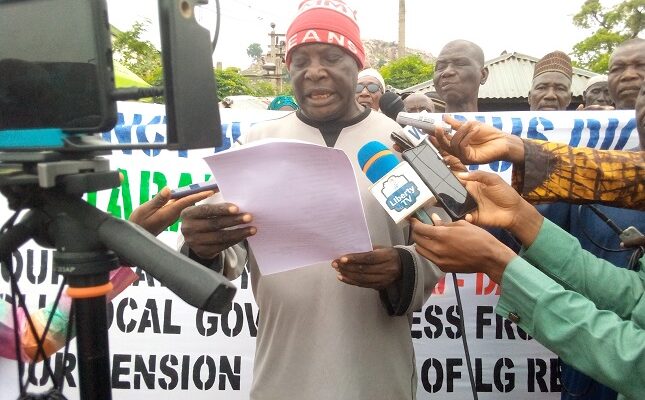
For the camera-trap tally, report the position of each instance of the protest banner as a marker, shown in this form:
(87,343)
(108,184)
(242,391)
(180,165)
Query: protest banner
(160,346)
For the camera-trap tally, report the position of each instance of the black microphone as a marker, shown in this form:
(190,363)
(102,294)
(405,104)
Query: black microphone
(391,104)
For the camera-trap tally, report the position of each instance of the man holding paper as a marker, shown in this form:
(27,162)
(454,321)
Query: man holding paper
(337,329)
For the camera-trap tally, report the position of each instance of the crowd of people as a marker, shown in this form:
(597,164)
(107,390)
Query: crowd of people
(341,329)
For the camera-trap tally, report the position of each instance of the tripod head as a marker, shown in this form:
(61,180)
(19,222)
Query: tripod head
(60,200)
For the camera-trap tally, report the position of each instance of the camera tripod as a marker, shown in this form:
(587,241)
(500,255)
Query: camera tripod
(88,244)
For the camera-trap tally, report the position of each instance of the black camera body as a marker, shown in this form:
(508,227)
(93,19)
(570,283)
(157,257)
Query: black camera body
(56,73)
(56,66)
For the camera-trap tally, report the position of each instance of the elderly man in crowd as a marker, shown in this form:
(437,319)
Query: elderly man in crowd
(338,330)
(626,73)
(596,94)
(417,102)
(551,85)
(369,88)
(459,72)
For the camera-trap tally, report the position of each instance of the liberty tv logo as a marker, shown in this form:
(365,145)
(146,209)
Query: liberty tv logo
(400,193)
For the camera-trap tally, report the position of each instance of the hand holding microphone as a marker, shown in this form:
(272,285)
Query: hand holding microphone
(478,143)
(404,188)
(392,106)
(443,245)
(499,205)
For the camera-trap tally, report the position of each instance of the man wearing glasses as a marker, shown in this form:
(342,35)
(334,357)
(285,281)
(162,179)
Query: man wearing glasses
(369,88)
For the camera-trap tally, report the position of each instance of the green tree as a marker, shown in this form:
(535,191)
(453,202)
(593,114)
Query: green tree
(230,83)
(139,56)
(254,51)
(262,88)
(611,27)
(407,71)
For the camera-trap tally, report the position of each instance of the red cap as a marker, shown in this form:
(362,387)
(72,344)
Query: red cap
(330,22)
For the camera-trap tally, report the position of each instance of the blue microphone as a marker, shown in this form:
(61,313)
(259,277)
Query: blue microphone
(376,161)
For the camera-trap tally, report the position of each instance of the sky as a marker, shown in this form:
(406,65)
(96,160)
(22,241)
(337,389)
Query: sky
(530,27)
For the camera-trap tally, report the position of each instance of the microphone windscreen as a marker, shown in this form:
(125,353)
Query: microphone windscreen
(391,104)
(376,160)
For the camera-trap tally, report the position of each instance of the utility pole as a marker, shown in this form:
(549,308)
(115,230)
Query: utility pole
(401,28)
(276,56)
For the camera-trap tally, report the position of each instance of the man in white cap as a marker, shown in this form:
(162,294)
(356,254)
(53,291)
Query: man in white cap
(369,88)
(596,94)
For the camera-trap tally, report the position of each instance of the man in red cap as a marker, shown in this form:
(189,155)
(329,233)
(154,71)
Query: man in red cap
(338,330)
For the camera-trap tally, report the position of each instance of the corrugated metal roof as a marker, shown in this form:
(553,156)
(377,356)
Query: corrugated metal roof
(510,76)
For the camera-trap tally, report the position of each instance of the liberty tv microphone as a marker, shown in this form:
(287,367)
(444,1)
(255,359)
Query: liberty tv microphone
(396,186)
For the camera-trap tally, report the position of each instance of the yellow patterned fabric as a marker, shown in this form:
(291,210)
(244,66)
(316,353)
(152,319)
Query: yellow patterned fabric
(556,171)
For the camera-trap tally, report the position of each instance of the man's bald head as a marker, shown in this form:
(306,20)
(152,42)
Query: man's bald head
(473,50)
(459,72)
(417,102)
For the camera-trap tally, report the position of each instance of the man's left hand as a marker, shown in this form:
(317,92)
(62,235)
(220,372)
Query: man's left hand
(375,269)
(160,212)
(461,247)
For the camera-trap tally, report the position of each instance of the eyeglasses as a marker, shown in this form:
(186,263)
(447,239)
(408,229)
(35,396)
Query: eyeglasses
(371,87)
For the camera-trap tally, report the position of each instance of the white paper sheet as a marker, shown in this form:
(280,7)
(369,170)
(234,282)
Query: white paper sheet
(303,197)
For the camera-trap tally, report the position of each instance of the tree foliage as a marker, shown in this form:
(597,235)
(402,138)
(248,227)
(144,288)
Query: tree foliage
(139,56)
(230,83)
(263,88)
(254,51)
(407,71)
(611,27)
(142,58)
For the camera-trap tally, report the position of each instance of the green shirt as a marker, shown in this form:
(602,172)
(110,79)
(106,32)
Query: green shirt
(581,307)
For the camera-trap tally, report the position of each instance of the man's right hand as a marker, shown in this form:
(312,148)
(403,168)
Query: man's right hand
(497,202)
(478,143)
(499,205)
(210,228)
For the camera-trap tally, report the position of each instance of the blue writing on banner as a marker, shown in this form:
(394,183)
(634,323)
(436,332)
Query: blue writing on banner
(533,132)
(141,136)
(610,133)
(625,133)
(576,132)
(594,132)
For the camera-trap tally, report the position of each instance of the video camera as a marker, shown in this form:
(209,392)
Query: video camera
(57,77)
